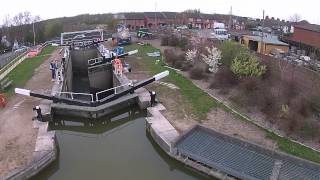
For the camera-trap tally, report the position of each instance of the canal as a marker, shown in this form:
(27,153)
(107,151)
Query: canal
(116,147)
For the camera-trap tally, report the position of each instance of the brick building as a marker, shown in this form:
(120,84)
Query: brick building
(132,20)
(307,37)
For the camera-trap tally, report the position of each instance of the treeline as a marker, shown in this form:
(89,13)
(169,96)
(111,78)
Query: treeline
(21,26)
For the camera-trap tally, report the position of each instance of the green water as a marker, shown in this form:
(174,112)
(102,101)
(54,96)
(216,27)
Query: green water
(116,148)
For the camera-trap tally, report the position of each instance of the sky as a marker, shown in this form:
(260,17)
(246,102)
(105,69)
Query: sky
(283,9)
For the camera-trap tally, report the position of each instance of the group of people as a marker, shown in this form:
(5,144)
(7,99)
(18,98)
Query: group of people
(54,65)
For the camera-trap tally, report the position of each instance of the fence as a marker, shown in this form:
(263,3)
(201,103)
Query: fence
(8,57)
(15,62)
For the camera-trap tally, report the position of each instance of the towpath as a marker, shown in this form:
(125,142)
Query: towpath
(17,135)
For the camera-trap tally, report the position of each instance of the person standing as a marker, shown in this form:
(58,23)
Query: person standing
(53,70)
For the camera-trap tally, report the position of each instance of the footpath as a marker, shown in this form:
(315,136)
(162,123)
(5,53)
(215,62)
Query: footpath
(17,133)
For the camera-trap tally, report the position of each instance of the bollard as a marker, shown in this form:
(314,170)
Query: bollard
(153,98)
(38,111)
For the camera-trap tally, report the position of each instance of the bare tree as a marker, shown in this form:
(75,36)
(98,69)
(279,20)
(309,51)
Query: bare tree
(27,17)
(7,22)
(295,18)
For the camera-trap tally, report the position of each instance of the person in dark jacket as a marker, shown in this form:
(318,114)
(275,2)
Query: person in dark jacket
(53,69)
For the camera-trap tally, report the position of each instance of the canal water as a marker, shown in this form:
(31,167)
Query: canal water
(116,147)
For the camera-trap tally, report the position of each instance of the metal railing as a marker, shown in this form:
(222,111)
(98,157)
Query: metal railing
(73,94)
(94,61)
(114,88)
(91,96)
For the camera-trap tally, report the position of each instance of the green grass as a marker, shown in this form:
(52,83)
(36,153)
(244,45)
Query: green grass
(295,149)
(200,102)
(24,71)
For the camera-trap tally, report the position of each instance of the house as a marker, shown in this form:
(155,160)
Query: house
(208,20)
(277,26)
(264,45)
(133,20)
(305,36)
(170,18)
(154,19)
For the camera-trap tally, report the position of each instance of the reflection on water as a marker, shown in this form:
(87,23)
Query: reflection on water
(115,147)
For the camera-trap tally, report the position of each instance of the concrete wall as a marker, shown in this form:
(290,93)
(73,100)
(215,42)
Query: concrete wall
(100,78)
(68,75)
(80,59)
(94,112)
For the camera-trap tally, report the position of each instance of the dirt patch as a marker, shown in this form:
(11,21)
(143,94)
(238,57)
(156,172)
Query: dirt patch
(226,123)
(17,135)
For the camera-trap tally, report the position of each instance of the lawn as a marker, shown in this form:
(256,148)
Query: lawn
(201,102)
(24,71)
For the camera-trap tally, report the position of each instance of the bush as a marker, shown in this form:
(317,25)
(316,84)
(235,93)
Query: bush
(165,41)
(176,60)
(247,65)
(224,78)
(198,72)
(250,84)
(173,40)
(315,104)
(183,43)
(229,51)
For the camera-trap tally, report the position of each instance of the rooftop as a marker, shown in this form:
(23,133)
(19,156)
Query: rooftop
(267,39)
(310,27)
(242,159)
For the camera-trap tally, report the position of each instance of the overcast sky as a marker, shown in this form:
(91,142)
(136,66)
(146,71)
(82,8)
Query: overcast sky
(283,9)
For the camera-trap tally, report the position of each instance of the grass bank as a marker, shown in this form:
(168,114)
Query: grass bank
(24,71)
(201,102)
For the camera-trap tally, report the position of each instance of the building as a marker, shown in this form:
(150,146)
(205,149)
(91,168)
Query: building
(171,18)
(268,44)
(154,19)
(307,37)
(133,21)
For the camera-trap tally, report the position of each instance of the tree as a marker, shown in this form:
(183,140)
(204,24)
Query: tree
(295,18)
(212,59)
(191,55)
(247,65)
(53,29)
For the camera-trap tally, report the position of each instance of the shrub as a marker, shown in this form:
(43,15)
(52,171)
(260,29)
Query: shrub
(176,60)
(301,106)
(229,51)
(247,65)
(315,104)
(183,43)
(173,41)
(165,41)
(224,78)
(250,84)
(198,72)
